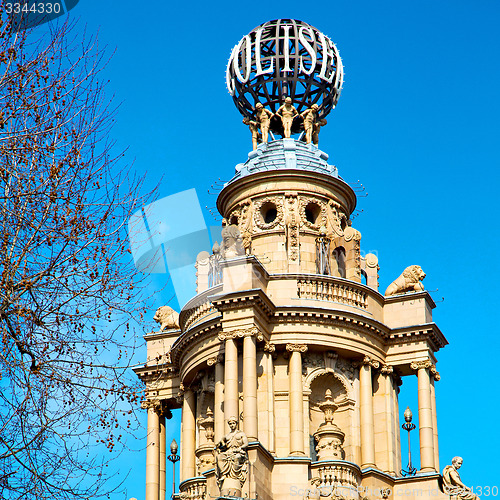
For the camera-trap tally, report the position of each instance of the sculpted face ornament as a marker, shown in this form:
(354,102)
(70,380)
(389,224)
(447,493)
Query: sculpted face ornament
(284,59)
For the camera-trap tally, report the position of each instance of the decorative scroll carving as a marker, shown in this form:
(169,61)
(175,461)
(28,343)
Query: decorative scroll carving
(258,217)
(427,363)
(245,225)
(370,361)
(351,234)
(216,359)
(336,217)
(386,369)
(296,348)
(292,227)
(270,348)
(409,281)
(232,243)
(232,460)
(246,332)
(167,318)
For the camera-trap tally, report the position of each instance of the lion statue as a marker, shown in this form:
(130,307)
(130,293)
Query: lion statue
(167,318)
(409,281)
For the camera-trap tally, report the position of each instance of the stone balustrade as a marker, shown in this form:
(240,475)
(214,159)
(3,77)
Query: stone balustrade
(198,308)
(194,488)
(339,476)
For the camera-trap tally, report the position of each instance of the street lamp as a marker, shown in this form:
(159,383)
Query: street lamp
(408,426)
(173,458)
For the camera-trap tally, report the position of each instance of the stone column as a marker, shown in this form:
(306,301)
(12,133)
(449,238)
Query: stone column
(163,457)
(218,396)
(426,431)
(436,377)
(231,379)
(250,386)
(366,412)
(296,398)
(188,438)
(153,451)
(269,349)
(387,371)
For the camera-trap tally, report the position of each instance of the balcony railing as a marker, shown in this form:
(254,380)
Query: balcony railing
(194,488)
(322,288)
(336,476)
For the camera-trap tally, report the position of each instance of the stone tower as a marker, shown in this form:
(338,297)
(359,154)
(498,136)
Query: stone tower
(288,339)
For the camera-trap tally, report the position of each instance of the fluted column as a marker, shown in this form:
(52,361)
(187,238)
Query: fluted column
(296,399)
(218,396)
(231,379)
(426,432)
(366,411)
(250,386)
(163,457)
(153,451)
(188,437)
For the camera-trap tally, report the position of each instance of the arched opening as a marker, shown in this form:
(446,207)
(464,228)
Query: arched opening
(339,256)
(312,211)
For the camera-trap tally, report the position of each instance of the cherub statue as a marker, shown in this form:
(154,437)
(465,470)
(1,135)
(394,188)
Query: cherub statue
(316,128)
(231,460)
(263,118)
(452,484)
(309,117)
(254,128)
(287,113)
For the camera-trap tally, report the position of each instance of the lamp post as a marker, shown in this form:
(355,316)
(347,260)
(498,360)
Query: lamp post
(408,426)
(173,457)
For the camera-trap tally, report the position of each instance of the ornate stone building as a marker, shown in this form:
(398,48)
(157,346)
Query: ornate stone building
(290,338)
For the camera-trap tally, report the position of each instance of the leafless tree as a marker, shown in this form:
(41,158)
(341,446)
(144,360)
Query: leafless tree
(68,288)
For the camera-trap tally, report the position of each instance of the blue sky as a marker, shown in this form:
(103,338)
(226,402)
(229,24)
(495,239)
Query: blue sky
(417,124)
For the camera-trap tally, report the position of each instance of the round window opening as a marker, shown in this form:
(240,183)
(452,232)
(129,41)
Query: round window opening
(233,221)
(313,212)
(269,212)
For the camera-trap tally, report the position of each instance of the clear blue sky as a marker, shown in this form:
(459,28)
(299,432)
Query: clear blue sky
(417,123)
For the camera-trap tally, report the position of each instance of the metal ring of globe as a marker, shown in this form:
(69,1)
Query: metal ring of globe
(284,58)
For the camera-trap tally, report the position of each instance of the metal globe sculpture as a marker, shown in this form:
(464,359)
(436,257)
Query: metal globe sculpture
(284,58)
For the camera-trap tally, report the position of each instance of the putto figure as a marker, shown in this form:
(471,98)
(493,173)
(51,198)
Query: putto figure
(309,117)
(287,113)
(452,484)
(254,129)
(231,460)
(263,118)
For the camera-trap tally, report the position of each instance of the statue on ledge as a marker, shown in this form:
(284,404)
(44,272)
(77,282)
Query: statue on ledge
(316,129)
(409,281)
(263,118)
(287,113)
(452,484)
(309,117)
(254,129)
(232,242)
(231,460)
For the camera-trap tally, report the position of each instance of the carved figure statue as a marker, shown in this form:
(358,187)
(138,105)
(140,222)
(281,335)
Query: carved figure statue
(309,117)
(254,128)
(263,117)
(409,281)
(316,129)
(452,484)
(167,318)
(231,460)
(232,243)
(287,112)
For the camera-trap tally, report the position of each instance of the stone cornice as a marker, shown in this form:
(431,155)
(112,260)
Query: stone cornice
(430,331)
(236,300)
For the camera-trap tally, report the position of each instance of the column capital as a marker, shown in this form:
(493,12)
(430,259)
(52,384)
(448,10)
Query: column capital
(240,333)
(296,348)
(427,364)
(270,348)
(215,359)
(371,362)
(158,406)
(386,369)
